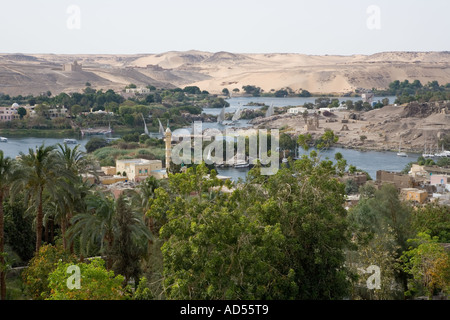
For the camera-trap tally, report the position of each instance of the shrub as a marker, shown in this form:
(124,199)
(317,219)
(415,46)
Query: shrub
(40,266)
(96,283)
(95,143)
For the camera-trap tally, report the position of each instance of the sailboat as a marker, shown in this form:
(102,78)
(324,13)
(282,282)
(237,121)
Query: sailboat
(145,126)
(236,115)
(443,153)
(161,128)
(400,153)
(221,116)
(270,111)
(427,155)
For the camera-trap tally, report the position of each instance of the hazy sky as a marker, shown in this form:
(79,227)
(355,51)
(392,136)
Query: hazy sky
(241,26)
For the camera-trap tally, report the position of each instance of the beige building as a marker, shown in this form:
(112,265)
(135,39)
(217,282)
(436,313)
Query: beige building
(414,194)
(139,169)
(109,171)
(72,67)
(9,113)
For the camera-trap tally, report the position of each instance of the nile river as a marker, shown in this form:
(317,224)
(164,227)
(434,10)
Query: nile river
(369,161)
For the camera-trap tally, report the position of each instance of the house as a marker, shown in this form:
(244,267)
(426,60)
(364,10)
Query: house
(137,90)
(414,194)
(72,67)
(441,179)
(9,113)
(360,178)
(399,180)
(139,169)
(109,171)
(418,171)
(297,110)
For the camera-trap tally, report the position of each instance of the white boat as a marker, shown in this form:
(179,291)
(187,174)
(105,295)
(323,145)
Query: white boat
(427,155)
(70,141)
(400,153)
(443,153)
(3,139)
(241,164)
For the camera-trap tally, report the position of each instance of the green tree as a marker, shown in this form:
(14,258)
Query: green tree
(67,201)
(287,142)
(363,138)
(96,283)
(35,277)
(76,110)
(378,211)
(277,237)
(351,187)
(96,226)
(130,240)
(327,140)
(380,251)
(429,264)
(433,219)
(39,171)
(21,111)
(6,170)
(19,233)
(94,144)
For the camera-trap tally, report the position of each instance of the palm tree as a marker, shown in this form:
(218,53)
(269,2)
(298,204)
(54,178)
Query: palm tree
(68,201)
(39,171)
(96,225)
(6,168)
(146,191)
(130,239)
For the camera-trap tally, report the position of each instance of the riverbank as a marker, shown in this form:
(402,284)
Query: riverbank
(41,133)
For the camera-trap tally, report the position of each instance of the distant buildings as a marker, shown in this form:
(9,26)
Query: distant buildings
(72,67)
(9,113)
(139,169)
(298,110)
(367,97)
(399,180)
(137,90)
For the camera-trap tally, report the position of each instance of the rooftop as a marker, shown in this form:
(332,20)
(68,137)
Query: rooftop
(138,161)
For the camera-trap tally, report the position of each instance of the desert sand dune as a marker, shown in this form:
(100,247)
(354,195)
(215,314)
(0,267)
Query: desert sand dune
(32,73)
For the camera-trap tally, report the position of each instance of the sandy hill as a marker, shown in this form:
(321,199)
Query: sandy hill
(36,73)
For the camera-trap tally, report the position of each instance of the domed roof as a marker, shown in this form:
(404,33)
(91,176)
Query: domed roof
(15,105)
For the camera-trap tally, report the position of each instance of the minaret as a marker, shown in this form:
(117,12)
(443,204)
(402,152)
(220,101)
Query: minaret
(168,140)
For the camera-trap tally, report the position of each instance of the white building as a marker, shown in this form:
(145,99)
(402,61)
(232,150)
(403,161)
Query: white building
(137,90)
(9,113)
(298,110)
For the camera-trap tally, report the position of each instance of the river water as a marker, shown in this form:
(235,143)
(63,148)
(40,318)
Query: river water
(369,161)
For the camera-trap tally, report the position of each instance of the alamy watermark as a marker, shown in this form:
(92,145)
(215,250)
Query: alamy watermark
(74,281)
(73,22)
(373,21)
(214,152)
(374,280)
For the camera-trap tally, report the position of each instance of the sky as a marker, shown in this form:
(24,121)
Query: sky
(319,27)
